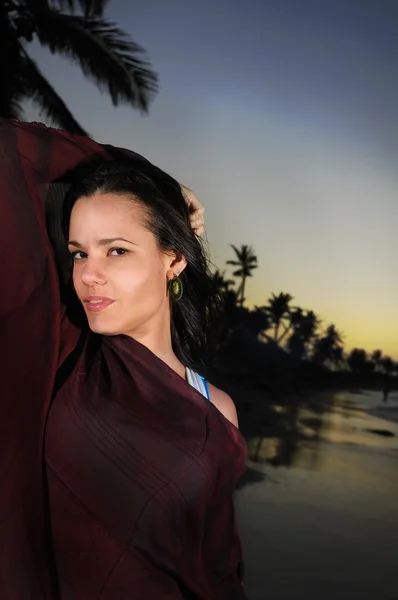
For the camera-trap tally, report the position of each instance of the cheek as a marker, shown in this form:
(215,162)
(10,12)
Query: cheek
(147,282)
(142,284)
(76,281)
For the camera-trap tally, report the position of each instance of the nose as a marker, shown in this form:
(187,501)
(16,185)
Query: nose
(92,274)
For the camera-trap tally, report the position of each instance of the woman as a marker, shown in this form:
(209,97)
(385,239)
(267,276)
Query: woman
(117,474)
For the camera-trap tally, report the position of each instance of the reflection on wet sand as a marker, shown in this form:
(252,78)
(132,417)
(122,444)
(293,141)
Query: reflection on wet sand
(295,430)
(318,504)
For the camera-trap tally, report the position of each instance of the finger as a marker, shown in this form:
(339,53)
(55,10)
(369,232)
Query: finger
(197,215)
(196,222)
(191,198)
(199,230)
(194,204)
(199,211)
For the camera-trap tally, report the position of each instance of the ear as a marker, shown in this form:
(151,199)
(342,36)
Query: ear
(176,263)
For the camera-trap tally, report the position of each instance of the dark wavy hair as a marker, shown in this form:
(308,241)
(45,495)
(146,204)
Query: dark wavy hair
(168,219)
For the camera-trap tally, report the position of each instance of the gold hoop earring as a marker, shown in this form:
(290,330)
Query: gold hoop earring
(176,289)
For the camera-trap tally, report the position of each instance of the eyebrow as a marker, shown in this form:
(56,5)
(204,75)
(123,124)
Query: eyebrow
(104,242)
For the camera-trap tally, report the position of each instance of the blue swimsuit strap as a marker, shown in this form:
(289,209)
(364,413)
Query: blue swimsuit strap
(206,387)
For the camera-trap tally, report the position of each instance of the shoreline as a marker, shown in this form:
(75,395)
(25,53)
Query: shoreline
(387,414)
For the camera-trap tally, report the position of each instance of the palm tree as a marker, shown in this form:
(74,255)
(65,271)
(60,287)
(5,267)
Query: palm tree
(304,326)
(358,361)
(278,309)
(305,322)
(246,262)
(257,321)
(376,357)
(105,54)
(388,365)
(329,347)
(220,284)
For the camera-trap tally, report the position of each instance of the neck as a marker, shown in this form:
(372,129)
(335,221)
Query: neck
(158,340)
(165,352)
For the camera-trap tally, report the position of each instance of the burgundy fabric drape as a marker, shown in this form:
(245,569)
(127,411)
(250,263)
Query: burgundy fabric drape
(119,485)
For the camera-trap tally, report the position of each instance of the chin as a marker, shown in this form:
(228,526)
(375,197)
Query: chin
(100,327)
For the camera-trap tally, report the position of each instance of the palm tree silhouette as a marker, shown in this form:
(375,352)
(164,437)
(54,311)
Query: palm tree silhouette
(376,358)
(220,284)
(358,361)
(329,347)
(289,330)
(278,309)
(105,54)
(388,365)
(246,261)
(304,325)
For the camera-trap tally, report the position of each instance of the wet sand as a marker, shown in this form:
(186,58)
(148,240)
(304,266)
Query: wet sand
(318,509)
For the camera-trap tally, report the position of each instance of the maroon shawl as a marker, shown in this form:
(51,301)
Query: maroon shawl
(119,485)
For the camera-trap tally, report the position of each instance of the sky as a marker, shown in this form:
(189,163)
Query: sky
(282,116)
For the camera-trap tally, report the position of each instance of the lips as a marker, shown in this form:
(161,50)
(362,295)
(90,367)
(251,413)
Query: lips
(97,303)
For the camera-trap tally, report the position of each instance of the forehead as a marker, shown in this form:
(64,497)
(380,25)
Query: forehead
(107,210)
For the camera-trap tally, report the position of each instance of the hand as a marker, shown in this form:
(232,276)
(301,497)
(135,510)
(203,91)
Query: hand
(196,210)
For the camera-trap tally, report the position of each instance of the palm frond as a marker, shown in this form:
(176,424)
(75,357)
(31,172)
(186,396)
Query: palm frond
(238,273)
(233,262)
(38,88)
(104,52)
(236,250)
(89,8)
(14,109)
(11,88)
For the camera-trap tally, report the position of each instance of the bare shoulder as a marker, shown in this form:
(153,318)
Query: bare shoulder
(224,403)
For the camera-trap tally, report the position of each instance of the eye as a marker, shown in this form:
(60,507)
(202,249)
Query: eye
(78,255)
(117,251)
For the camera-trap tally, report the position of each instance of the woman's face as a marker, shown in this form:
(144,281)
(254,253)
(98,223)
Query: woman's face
(119,273)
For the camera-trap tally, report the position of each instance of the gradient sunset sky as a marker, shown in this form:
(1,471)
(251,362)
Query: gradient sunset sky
(282,115)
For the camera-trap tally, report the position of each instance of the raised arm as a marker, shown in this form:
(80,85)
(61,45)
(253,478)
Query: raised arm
(52,152)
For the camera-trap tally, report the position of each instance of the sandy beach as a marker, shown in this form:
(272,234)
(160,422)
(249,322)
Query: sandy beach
(323,520)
